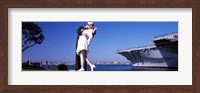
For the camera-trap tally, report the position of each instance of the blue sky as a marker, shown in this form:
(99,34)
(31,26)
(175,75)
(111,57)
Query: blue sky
(60,39)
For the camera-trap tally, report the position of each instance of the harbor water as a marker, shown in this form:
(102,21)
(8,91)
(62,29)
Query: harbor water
(121,67)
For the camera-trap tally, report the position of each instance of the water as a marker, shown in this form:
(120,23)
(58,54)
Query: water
(123,67)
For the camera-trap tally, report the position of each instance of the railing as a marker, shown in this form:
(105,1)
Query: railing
(137,48)
(172,33)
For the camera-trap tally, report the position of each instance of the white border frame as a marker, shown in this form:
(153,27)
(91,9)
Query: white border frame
(181,77)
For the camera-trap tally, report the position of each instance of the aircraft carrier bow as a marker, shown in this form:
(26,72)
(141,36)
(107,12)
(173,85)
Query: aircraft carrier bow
(164,53)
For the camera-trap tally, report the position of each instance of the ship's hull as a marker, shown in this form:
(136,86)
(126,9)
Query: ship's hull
(151,57)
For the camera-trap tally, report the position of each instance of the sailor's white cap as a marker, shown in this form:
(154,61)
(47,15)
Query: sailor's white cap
(91,23)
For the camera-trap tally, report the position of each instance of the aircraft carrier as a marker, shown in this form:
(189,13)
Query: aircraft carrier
(164,53)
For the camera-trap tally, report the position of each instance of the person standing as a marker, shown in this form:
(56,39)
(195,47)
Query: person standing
(84,41)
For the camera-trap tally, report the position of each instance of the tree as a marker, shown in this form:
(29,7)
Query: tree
(31,35)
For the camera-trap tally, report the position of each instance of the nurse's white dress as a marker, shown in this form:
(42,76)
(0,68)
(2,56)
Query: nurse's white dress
(82,41)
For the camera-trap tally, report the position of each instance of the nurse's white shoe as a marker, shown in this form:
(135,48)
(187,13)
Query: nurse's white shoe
(92,67)
(81,69)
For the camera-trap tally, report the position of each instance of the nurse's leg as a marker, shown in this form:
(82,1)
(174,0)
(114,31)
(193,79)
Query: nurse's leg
(82,57)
